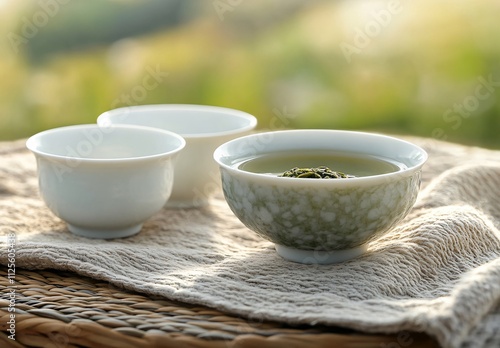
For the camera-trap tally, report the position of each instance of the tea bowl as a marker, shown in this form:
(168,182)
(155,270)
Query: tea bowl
(319,221)
(104,182)
(204,128)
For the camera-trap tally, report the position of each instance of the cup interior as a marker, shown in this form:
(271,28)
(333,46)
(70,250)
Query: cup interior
(391,148)
(186,120)
(91,142)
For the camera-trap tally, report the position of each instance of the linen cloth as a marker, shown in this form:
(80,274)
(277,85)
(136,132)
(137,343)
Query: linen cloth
(438,271)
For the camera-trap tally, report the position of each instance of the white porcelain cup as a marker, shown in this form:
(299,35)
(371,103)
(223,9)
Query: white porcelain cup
(204,128)
(105,181)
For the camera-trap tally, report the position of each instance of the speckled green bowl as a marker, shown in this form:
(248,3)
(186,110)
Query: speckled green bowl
(313,220)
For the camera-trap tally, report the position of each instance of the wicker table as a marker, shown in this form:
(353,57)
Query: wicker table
(60,309)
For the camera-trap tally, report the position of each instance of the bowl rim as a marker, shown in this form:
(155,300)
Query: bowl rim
(218,155)
(30,144)
(252,120)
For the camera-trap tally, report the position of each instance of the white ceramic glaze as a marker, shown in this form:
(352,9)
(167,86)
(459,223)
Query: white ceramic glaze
(203,127)
(105,181)
(320,257)
(327,220)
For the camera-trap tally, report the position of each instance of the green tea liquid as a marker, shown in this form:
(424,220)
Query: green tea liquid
(345,162)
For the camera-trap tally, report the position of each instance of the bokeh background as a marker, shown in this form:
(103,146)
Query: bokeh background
(425,68)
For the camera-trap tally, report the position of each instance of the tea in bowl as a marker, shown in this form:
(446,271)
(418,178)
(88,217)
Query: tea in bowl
(105,181)
(320,195)
(204,128)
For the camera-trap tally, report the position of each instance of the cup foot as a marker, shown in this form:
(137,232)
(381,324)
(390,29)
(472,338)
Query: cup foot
(319,257)
(104,233)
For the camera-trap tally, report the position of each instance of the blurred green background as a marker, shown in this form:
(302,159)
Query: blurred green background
(426,68)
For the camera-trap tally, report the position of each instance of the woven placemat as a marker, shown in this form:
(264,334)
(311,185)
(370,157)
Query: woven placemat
(62,309)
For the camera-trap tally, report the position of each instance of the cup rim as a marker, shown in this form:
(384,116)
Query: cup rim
(220,153)
(104,118)
(30,143)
